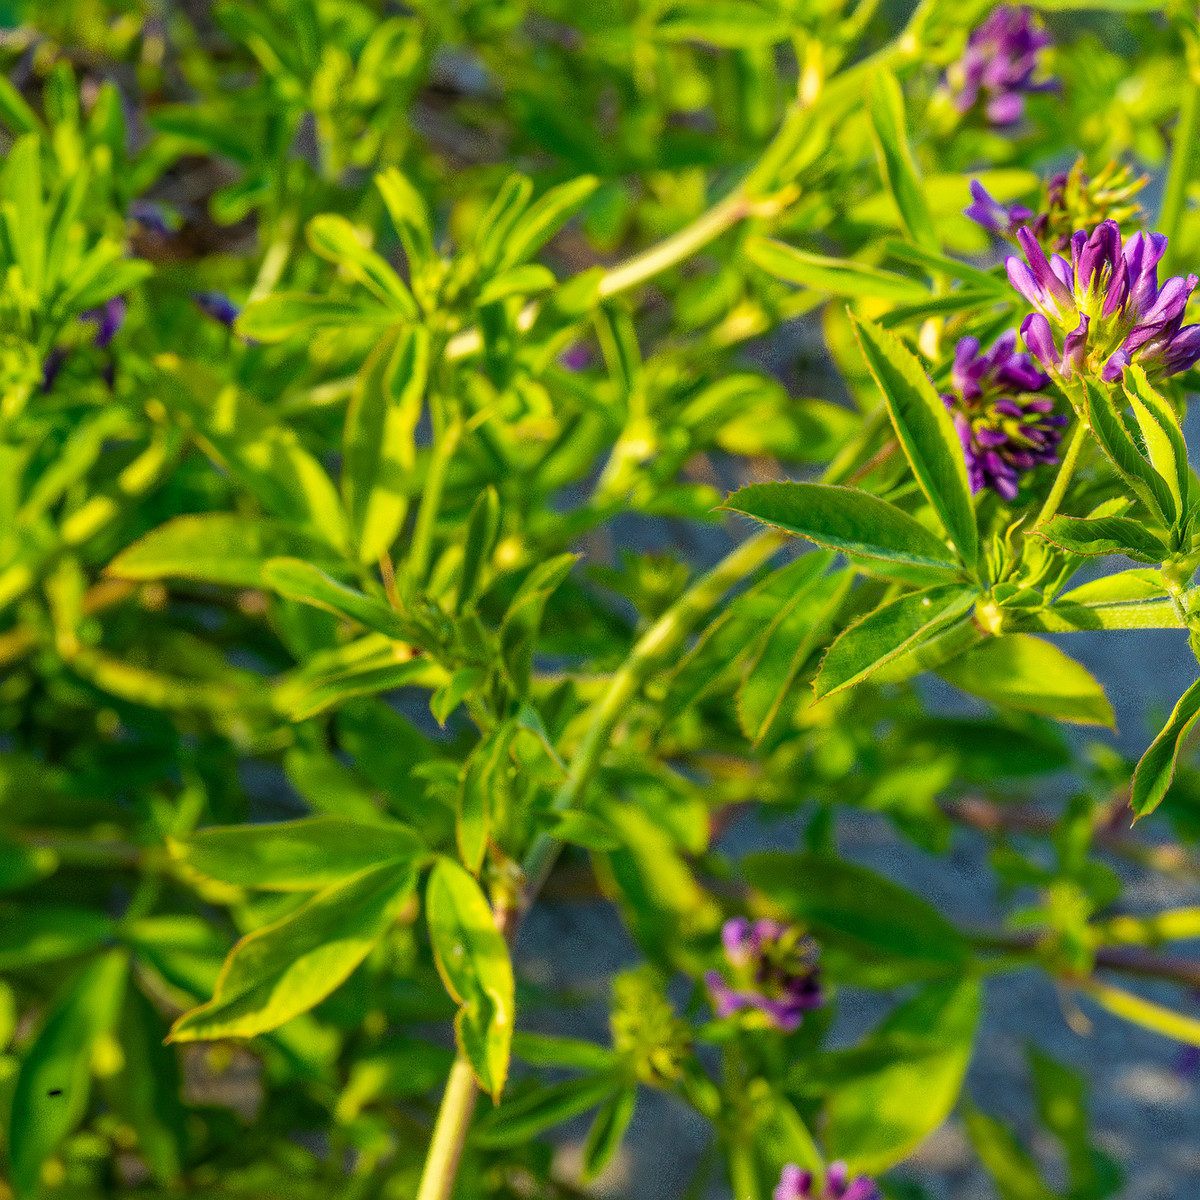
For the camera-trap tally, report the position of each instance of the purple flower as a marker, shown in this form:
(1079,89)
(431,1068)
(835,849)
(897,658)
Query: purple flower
(999,61)
(987,211)
(1106,304)
(774,969)
(218,306)
(1004,426)
(795,1184)
(110,316)
(154,218)
(54,363)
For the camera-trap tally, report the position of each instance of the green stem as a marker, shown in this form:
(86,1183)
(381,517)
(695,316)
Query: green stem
(1065,473)
(449,1133)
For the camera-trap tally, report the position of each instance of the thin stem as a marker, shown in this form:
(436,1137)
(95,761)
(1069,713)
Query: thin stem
(1062,480)
(275,259)
(665,635)
(449,1133)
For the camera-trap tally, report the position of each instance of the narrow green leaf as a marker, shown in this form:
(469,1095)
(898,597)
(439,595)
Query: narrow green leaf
(859,912)
(839,276)
(1022,671)
(21,865)
(298,580)
(409,215)
(295,856)
(1161,433)
(47,932)
(285,314)
(925,430)
(519,628)
(281,970)
(893,628)
(483,778)
(1120,449)
(1105,535)
(483,524)
(378,446)
(551,1050)
(726,23)
(802,625)
(608,1131)
(1011,1168)
(1156,768)
(516,1121)
(497,222)
(473,961)
(842,518)
(51,1095)
(544,217)
(896,164)
(382,666)
(334,238)
(935,263)
(527,280)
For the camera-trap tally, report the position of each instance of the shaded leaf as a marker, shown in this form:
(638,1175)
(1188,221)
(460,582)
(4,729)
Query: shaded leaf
(1156,768)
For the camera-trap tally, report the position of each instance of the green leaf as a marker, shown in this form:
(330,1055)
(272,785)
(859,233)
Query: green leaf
(859,912)
(1025,672)
(925,430)
(516,1121)
(731,24)
(583,829)
(334,238)
(371,665)
(891,630)
(519,628)
(843,518)
(285,314)
(473,962)
(216,548)
(283,969)
(47,932)
(378,447)
(608,1131)
(542,219)
(497,222)
(1104,535)
(405,1068)
(302,581)
(14,111)
(409,215)
(484,776)
(983,283)
(896,164)
(525,280)
(23,209)
(1011,1168)
(801,626)
(1121,450)
(483,524)
(839,276)
(880,1117)
(550,1050)
(145,1092)
(1156,768)
(51,1095)
(1161,434)
(296,856)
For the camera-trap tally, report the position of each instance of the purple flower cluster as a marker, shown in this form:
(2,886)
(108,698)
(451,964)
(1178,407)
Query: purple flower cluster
(999,61)
(1005,428)
(775,972)
(795,1184)
(1106,303)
